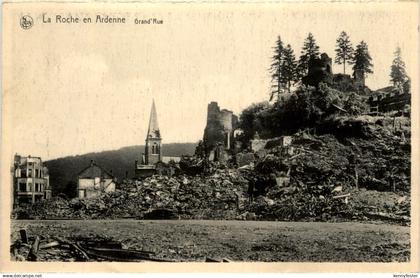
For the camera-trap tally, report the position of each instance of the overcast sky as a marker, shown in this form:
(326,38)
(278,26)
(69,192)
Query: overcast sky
(73,89)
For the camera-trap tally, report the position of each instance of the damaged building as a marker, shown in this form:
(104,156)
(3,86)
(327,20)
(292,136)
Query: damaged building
(94,180)
(220,131)
(320,70)
(390,99)
(31,182)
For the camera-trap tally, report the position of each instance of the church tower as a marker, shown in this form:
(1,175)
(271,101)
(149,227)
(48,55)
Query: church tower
(152,153)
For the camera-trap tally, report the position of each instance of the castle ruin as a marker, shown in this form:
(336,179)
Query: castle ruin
(219,131)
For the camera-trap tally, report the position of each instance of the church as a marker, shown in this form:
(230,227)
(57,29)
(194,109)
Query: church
(152,162)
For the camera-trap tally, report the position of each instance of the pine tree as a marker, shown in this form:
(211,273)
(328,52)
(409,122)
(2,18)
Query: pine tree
(289,68)
(309,49)
(275,69)
(344,50)
(362,62)
(398,73)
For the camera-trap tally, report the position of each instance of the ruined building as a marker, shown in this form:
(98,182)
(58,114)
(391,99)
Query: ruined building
(94,180)
(219,132)
(30,179)
(320,70)
(390,99)
(152,161)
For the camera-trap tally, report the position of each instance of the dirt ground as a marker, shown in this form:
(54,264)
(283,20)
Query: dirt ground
(194,240)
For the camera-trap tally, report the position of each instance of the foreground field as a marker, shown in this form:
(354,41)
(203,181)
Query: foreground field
(194,240)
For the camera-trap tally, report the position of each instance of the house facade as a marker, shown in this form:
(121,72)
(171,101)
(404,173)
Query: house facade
(94,180)
(31,182)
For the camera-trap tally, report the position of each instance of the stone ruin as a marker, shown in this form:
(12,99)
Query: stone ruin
(219,132)
(320,70)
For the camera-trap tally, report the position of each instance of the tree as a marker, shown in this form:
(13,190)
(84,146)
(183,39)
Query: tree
(398,73)
(309,49)
(288,68)
(344,50)
(362,62)
(277,61)
(248,120)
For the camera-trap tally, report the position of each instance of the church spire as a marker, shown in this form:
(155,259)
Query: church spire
(153,131)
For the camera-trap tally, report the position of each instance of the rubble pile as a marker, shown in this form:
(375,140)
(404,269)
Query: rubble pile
(94,248)
(326,173)
(218,196)
(380,150)
(55,207)
(370,204)
(304,177)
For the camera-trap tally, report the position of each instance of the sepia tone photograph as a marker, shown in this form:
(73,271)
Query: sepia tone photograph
(213,133)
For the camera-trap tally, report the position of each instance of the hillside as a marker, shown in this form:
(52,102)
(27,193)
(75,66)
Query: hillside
(63,171)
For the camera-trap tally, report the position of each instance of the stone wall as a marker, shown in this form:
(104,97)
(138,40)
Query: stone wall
(319,70)
(219,128)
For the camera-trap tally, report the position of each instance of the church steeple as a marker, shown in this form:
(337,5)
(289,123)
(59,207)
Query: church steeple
(153,139)
(153,130)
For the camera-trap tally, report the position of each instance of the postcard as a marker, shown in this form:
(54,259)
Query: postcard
(210,137)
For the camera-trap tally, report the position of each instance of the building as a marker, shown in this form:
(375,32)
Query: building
(94,180)
(152,161)
(320,70)
(390,99)
(31,182)
(153,149)
(218,135)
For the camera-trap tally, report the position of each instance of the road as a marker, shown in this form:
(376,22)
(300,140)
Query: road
(194,240)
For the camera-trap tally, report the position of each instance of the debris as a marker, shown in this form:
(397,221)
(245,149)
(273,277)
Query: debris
(213,260)
(313,182)
(80,249)
(32,256)
(49,245)
(23,236)
(341,196)
(118,255)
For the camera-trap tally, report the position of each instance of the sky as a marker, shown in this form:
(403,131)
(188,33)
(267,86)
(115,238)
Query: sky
(76,88)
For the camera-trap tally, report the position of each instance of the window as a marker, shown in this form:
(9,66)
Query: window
(36,187)
(22,186)
(23,173)
(155,149)
(29,173)
(30,187)
(36,173)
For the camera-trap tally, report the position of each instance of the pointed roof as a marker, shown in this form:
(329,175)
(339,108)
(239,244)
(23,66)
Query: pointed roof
(153,131)
(94,171)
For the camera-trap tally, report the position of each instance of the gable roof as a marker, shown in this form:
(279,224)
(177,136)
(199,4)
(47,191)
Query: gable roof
(94,171)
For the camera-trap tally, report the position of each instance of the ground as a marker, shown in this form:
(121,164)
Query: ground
(194,240)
